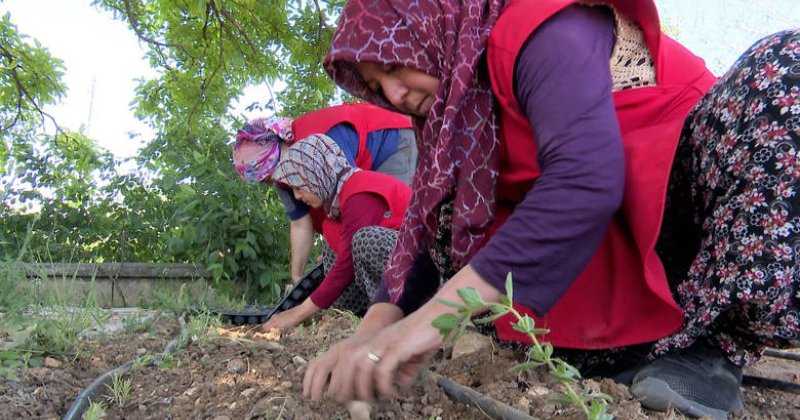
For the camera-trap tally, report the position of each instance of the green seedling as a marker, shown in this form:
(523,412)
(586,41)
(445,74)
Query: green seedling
(96,411)
(10,361)
(593,404)
(200,330)
(166,361)
(142,362)
(120,390)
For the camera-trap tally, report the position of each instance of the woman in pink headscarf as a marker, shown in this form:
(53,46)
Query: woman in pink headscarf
(645,209)
(371,138)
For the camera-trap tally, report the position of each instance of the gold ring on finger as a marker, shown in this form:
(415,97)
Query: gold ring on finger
(374,357)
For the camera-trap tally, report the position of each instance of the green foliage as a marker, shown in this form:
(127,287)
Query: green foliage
(180,200)
(451,326)
(29,79)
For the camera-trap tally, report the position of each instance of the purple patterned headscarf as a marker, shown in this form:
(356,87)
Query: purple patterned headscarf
(318,165)
(458,142)
(257,149)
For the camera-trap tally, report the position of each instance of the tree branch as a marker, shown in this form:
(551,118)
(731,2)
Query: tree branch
(22,93)
(239,29)
(320,16)
(140,34)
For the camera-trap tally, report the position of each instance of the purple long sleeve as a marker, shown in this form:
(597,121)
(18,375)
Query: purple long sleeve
(563,84)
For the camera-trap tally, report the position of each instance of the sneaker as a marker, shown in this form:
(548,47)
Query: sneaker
(698,382)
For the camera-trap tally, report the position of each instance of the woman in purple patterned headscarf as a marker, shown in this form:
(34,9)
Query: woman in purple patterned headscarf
(584,109)
(437,47)
(444,40)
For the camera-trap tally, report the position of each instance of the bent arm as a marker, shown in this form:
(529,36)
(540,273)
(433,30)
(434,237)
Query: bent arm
(563,84)
(301,237)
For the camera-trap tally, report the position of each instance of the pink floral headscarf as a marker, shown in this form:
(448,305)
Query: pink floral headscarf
(257,150)
(458,142)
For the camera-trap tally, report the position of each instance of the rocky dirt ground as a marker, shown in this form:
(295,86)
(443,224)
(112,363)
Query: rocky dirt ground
(243,374)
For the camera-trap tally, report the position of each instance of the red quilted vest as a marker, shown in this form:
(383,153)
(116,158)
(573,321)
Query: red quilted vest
(364,117)
(622,296)
(395,193)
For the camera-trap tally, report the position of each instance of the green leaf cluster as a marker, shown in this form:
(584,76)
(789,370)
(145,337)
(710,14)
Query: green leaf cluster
(593,404)
(179,200)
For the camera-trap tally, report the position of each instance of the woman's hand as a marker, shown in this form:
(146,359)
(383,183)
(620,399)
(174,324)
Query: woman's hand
(290,318)
(321,369)
(397,353)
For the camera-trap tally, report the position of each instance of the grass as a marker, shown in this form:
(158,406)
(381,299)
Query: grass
(200,330)
(188,300)
(136,325)
(96,411)
(120,390)
(142,362)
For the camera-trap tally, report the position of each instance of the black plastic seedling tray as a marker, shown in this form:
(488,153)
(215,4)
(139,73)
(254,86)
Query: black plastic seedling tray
(259,314)
(301,291)
(249,315)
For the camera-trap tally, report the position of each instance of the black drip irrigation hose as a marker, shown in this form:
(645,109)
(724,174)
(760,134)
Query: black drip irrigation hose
(82,401)
(491,407)
(770,383)
(782,354)
(775,384)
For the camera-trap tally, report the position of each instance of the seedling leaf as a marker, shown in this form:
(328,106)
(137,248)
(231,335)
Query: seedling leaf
(471,297)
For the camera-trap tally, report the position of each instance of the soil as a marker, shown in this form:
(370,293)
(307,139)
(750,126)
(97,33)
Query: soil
(244,374)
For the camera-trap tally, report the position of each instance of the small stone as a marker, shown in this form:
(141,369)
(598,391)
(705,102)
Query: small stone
(538,390)
(260,408)
(142,408)
(190,392)
(273,346)
(407,407)
(232,406)
(39,373)
(431,412)
(285,385)
(359,410)
(299,361)
(141,351)
(470,343)
(523,404)
(52,363)
(236,366)
(247,393)
(198,401)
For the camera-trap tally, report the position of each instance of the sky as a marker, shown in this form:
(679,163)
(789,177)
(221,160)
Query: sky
(103,58)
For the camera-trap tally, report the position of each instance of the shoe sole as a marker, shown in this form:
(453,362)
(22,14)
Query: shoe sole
(655,394)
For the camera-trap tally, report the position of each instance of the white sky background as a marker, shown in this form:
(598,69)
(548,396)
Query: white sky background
(103,58)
